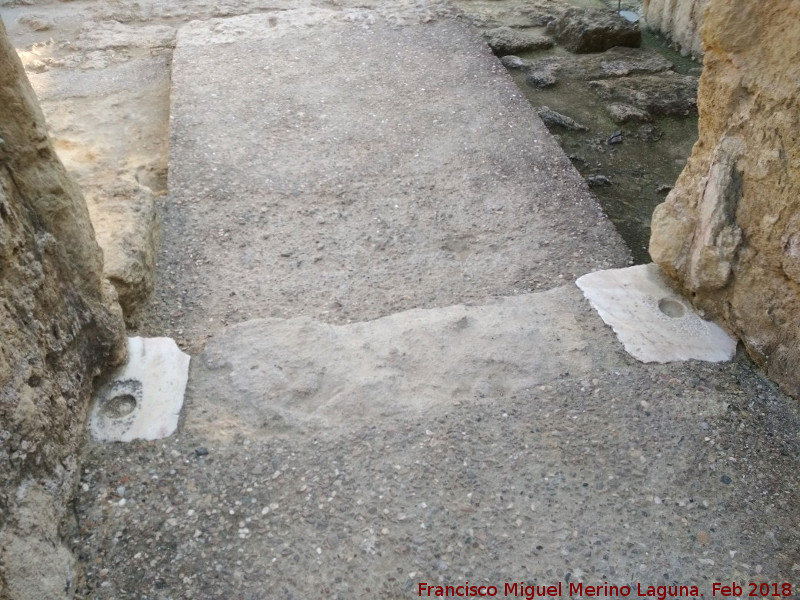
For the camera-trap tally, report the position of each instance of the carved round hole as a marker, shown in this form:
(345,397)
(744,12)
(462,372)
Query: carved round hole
(671,308)
(118,406)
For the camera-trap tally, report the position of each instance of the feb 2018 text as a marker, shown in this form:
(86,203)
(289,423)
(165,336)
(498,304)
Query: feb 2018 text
(604,590)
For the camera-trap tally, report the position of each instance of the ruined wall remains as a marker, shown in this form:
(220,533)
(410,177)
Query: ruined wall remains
(60,325)
(680,20)
(730,230)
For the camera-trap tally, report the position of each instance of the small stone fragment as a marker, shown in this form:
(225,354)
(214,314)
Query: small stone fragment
(649,133)
(37,22)
(667,94)
(622,113)
(598,180)
(505,40)
(513,62)
(543,73)
(595,30)
(552,118)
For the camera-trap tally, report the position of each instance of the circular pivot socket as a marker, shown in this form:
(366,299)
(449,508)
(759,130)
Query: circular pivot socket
(672,308)
(119,406)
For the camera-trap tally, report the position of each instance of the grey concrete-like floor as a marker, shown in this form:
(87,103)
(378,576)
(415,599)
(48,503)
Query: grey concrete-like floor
(434,212)
(360,167)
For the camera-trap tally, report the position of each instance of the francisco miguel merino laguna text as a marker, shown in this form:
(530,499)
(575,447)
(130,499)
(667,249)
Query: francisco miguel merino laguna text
(529,592)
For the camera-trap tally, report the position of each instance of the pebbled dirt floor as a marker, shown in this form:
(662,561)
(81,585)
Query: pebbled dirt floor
(661,475)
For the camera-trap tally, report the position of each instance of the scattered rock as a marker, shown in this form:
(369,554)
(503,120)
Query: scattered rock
(663,189)
(623,113)
(594,30)
(543,73)
(649,133)
(513,62)
(505,40)
(37,22)
(616,62)
(668,94)
(35,66)
(552,118)
(479,20)
(621,62)
(538,15)
(614,138)
(598,180)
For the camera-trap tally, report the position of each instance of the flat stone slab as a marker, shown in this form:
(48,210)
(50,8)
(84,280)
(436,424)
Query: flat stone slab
(266,376)
(653,322)
(613,63)
(144,399)
(669,93)
(333,164)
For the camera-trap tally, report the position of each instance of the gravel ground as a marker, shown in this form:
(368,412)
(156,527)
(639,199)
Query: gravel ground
(680,474)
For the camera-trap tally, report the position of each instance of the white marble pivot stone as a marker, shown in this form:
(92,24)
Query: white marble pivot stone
(144,399)
(652,321)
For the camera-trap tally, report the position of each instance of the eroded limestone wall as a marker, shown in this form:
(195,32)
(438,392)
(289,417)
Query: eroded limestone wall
(680,20)
(729,231)
(60,325)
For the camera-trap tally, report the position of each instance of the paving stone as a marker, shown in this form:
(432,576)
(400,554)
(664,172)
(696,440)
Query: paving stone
(406,153)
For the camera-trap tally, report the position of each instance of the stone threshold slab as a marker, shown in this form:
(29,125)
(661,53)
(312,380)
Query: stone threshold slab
(144,398)
(269,376)
(653,322)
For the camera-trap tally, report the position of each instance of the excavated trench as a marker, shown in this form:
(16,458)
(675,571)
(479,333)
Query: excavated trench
(630,166)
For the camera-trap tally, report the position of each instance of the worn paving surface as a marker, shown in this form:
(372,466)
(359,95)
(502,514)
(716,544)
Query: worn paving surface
(359,168)
(660,475)
(590,468)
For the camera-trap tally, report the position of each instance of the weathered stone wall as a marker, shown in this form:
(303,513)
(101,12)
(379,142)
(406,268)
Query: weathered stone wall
(730,230)
(680,20)
(60,325)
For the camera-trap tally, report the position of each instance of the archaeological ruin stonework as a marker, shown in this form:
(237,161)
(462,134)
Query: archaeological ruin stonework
(679,20)
(60,326)
(730,230)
